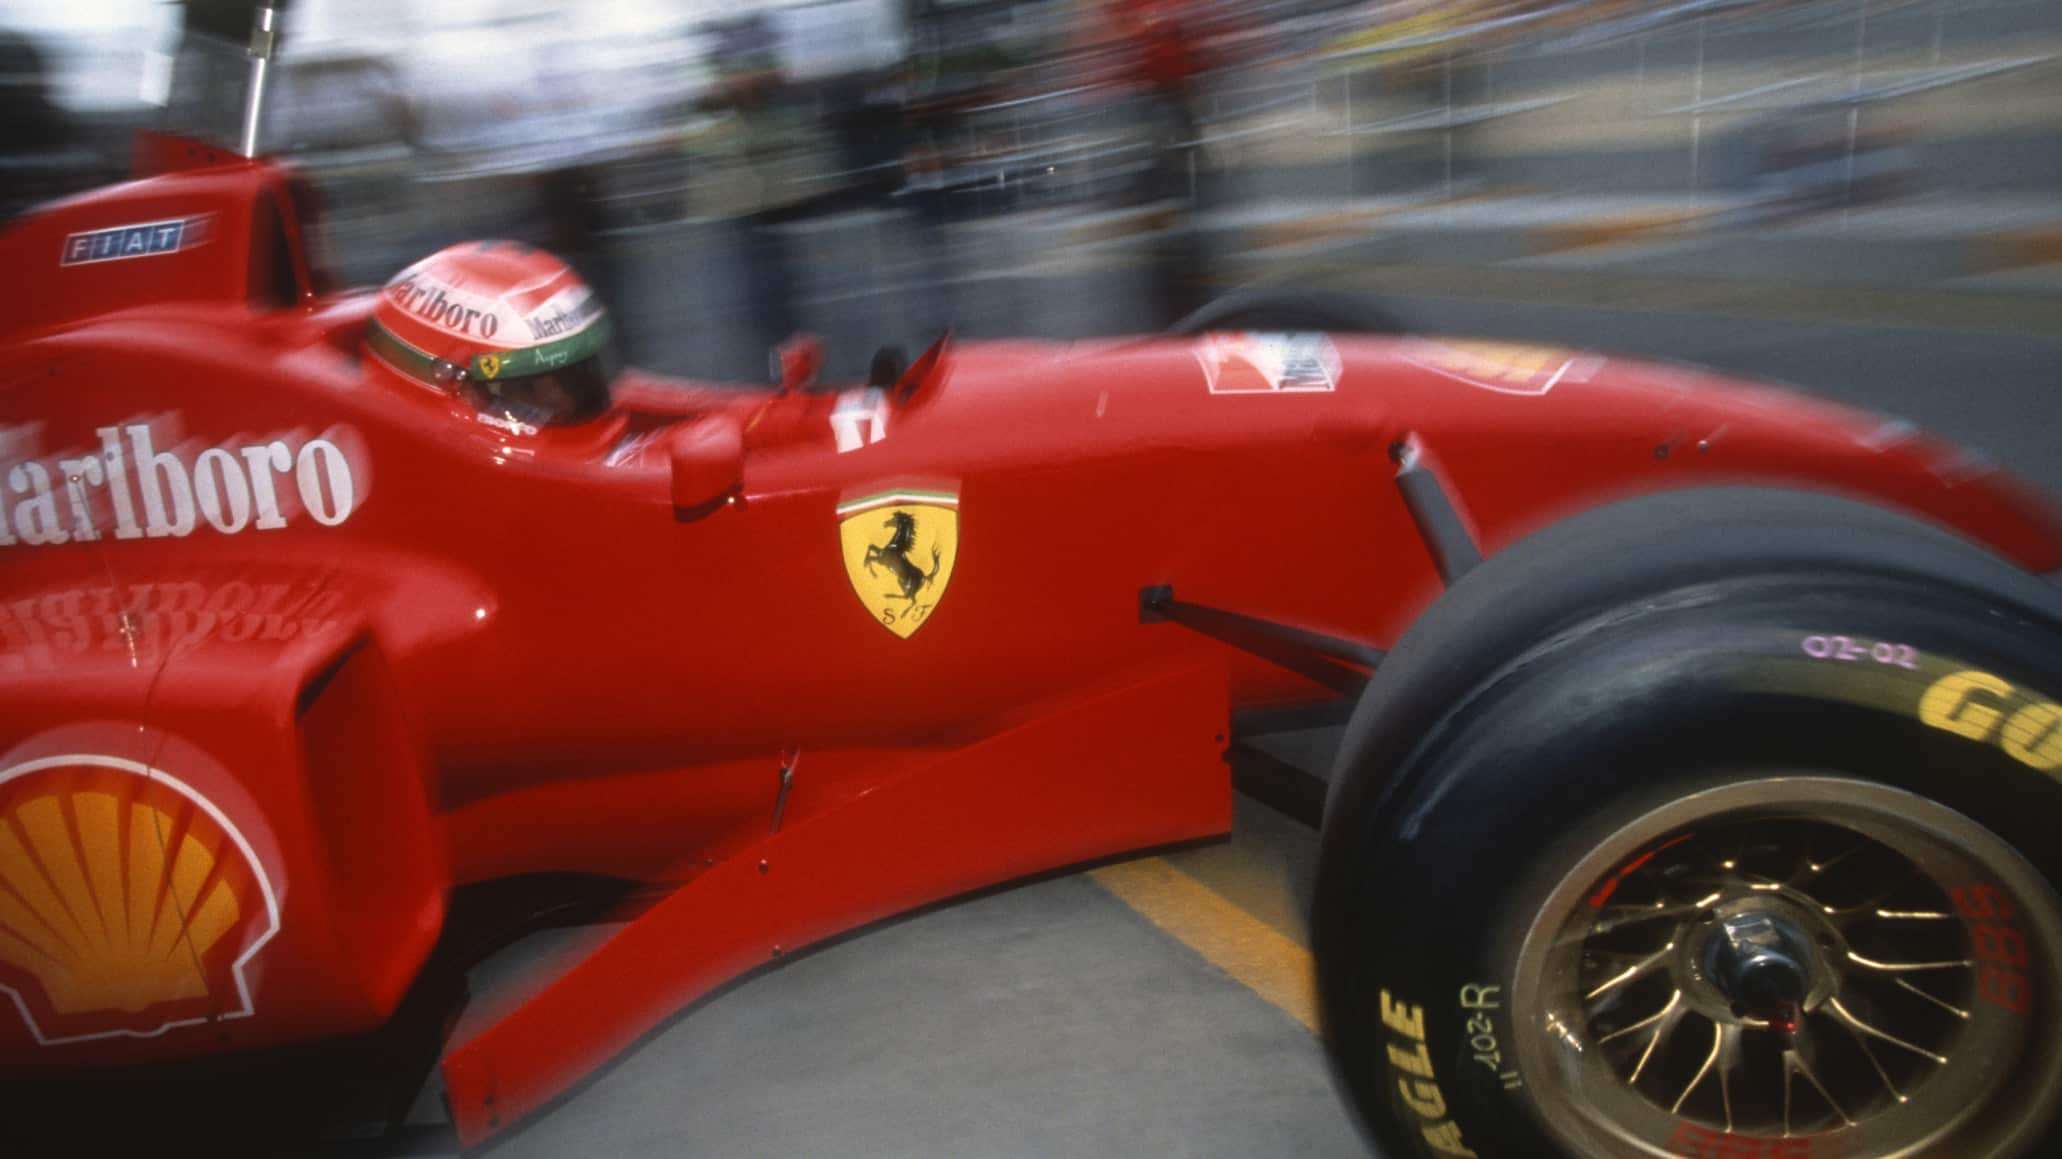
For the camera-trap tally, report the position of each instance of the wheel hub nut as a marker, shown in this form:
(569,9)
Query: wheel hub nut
(1761,963)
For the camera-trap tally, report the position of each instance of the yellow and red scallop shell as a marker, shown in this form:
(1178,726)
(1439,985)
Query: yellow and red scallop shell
(128,903)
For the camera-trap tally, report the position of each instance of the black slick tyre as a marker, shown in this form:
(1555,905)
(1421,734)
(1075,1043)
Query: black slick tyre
(1710,825)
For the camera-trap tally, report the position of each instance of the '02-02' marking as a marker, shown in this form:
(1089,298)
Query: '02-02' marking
(1990,709)
(1416,1085)
(1853,648)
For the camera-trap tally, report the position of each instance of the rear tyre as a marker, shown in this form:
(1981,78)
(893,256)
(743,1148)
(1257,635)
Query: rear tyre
(1757,864)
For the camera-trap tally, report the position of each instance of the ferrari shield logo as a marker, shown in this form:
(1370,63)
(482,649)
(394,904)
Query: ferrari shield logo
(899,550)
(490,365)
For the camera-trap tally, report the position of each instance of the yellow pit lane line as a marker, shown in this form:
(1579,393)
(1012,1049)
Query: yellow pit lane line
(1260,957)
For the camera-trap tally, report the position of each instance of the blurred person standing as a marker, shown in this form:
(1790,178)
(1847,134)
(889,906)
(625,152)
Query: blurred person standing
(1163,49)
(770,167)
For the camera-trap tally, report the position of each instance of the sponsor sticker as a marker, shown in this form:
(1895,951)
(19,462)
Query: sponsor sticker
(1501,366)
(129,903)
(899,548)
(140,483)
(860,418)
(1268,363)
(151,622)
(446,307)
(144,239)
(564,314)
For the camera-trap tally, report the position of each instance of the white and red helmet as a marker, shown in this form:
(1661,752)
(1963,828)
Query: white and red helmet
(505,326)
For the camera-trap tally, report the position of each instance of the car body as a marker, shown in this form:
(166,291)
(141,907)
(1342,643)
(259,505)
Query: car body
(291,656)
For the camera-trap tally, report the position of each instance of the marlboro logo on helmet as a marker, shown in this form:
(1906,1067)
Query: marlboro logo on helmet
(507,328)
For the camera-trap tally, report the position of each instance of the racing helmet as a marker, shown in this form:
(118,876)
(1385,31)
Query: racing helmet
(508,328)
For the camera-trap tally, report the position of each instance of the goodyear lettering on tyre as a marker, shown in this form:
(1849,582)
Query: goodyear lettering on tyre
(1992,710)
(1417,1087)
(1951,695)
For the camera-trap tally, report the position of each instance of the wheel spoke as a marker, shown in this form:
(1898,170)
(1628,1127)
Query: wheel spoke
(1669,1016)
(1633,971)
(1675,998)
(1633,915)
(1848,1019)
(1794,1065)
(1908,967)
(1867,906)
(1862,1042)
(1717,1043)
(1957,1011)
(1816,869)
(1728,1056)
(1821,971)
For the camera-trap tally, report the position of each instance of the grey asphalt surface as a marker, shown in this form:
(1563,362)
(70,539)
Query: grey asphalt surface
(1048,1020)
(1051,1019)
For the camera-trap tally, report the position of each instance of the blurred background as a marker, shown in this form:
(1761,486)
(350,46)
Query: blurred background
(874,170)
(1859,197)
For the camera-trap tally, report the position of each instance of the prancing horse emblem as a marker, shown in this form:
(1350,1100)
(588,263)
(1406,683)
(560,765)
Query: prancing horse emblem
(895,556)
(899,548)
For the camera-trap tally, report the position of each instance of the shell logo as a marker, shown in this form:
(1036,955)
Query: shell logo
(129,904)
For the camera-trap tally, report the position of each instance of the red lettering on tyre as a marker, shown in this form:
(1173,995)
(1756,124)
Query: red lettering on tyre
(1695,1142)
(1998,945)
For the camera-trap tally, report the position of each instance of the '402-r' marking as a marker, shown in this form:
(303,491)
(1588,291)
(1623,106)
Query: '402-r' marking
(1482,1042)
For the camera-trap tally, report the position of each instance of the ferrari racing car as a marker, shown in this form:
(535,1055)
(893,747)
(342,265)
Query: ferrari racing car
(1697,789)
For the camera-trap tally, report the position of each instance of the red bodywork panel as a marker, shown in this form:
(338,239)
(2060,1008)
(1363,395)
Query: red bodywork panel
(288,651)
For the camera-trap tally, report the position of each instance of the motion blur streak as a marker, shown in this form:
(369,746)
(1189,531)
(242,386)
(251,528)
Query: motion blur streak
(879,169)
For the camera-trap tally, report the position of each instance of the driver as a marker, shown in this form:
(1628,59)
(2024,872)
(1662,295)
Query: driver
(506,327)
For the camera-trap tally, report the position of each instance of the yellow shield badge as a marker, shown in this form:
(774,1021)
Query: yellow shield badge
(899,550)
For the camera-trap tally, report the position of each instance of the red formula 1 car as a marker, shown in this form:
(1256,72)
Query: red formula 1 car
(1697,795)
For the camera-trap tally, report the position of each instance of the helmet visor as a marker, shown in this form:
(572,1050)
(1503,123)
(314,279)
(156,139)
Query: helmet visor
(558,383)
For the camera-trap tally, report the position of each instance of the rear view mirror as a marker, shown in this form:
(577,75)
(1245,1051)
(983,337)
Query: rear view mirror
(796,361)
(708,465)
(925,373)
